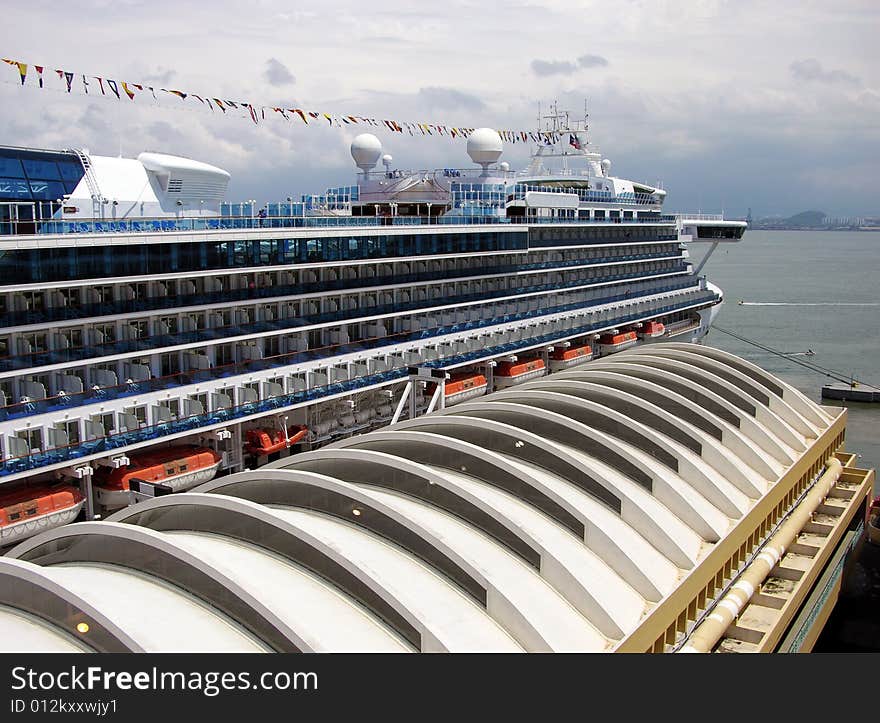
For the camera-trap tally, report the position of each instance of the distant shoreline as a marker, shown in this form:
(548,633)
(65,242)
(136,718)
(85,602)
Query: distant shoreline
(768,227)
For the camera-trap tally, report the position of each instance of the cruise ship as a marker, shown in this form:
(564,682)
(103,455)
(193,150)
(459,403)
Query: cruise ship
(154,335)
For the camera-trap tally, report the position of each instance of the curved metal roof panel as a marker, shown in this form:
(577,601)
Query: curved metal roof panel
(555,515)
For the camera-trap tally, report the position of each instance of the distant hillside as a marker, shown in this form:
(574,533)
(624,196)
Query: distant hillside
(806,218)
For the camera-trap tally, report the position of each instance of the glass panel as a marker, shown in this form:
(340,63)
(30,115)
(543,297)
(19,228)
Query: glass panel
(42,169)
(47,190)
(71,170)
(11,167)
(14,188)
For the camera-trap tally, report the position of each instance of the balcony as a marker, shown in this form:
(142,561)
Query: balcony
(73,452)
(101,394)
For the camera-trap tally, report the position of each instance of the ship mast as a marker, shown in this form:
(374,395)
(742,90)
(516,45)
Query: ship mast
(553,129)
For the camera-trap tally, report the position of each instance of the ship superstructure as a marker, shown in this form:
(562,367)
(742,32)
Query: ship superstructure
(140,311)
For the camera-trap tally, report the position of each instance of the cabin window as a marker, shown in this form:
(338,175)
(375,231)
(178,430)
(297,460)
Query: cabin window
(32,437)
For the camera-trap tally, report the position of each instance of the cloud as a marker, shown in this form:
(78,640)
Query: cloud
(592,61)
(553,67)
(160,77)
(277,73)
(164,132)
(567,67)
(434,97)
(812,70)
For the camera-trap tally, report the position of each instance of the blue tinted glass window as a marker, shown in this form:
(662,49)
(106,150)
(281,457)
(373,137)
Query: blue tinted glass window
(11,167)
(71,171)
(42,169)
(14,188)
(47,190)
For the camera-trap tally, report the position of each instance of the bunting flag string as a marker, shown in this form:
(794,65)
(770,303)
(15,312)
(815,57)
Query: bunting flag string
(257,112)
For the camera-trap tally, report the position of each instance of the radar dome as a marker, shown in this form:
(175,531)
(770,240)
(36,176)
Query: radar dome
(504,166)
(366,149)
(606,166)
(484,147)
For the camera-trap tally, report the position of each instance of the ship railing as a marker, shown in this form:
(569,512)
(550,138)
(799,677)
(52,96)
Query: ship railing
(158,303)
(37,359)
(101,394)
(699,216)
(238,223)
(588,195)
(147,433)
(444,173)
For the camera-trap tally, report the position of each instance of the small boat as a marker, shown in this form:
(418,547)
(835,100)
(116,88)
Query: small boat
(264,440)
(651,330)
(566,358)
(609,343)
(28,510)
(872,524)
(462,387)
(179,467)
(508,373)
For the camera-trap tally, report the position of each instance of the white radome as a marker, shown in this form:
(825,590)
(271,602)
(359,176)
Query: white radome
(606,166)
(484,146)
(366,149)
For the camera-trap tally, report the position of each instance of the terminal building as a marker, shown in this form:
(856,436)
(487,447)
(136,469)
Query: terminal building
(669,498)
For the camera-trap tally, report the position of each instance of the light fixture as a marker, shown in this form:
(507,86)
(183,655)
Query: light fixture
(356,512)
(82,628)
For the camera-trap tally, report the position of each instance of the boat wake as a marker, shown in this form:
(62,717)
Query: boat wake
(794,303)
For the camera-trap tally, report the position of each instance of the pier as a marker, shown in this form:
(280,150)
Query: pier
(851,392)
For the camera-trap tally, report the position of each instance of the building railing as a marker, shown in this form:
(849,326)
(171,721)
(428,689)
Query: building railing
(108,443)
(98,394)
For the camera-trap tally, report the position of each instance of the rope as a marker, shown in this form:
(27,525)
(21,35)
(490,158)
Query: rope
(817,368)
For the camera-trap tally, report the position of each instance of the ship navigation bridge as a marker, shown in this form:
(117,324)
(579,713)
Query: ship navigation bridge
(629,505)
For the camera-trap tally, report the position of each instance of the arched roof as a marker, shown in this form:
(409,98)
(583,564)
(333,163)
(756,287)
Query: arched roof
(551,516)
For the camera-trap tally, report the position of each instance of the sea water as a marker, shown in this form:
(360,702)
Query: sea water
(802,291)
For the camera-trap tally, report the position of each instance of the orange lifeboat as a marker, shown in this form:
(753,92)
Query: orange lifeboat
(179,467)
(566,358)
(609,343)
(263,441)
(29,510)
(651,330)
(509,373)
(462,387)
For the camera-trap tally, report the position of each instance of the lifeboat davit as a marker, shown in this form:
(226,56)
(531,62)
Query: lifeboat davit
(462,387)
(29,510)
(651,330)
(609,343)
(508,374)
(265,441)
(566,358)
(179,467)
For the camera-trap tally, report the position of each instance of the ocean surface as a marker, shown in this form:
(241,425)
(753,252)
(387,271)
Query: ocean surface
(806,290)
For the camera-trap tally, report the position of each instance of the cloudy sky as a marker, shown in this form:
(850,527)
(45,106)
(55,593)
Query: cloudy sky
(731,104)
